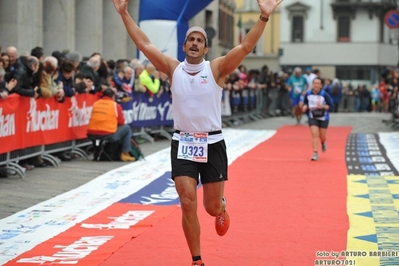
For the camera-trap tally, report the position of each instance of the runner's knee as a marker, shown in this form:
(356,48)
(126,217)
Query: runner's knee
(213,208)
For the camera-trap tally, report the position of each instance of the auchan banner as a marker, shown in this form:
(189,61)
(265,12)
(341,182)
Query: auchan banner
(27,122)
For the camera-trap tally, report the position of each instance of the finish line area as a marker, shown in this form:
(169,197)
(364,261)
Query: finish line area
(342,208)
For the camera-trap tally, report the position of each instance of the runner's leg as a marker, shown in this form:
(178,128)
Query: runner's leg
(186,187)
(315,137)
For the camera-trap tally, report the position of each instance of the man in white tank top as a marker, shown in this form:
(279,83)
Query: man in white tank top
(198,151)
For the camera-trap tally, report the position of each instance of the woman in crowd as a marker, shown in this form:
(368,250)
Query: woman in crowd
(6,61)
(2,71)
(44,79)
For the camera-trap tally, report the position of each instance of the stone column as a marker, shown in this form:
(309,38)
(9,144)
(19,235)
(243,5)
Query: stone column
(89,26)
(58,25)
(21,24)
(134,12)
(114,33)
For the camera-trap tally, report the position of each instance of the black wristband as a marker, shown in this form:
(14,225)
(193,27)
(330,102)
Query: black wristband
(265,19)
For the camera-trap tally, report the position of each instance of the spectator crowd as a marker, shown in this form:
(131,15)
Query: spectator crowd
(64,74)
(278,89)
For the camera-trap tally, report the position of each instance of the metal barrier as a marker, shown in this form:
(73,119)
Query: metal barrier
(42,128)
(265,104)
(275,102)
(9,161)
(245,107)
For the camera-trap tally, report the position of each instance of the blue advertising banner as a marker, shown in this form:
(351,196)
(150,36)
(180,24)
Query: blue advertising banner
(161,191)
(145,111)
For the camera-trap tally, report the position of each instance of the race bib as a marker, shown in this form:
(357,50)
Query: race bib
(193,147)
(297,90)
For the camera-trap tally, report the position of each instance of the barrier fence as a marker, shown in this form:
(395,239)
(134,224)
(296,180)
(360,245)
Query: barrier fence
(42,127)
(30,127)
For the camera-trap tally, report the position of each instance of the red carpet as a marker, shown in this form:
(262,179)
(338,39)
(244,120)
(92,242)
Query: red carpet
(284,208)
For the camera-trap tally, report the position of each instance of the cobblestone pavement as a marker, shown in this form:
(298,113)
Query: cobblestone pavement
(40,184)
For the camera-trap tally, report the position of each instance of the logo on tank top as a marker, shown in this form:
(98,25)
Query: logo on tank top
(204,79)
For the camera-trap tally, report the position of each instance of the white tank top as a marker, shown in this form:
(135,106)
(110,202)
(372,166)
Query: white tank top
(196,102)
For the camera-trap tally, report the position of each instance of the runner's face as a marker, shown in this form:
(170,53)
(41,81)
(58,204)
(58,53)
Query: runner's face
(195,45)
(316,85)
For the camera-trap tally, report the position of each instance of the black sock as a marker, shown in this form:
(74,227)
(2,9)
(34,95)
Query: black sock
(196,258)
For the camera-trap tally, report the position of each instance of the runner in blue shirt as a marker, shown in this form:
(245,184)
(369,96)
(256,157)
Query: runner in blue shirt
(317,102)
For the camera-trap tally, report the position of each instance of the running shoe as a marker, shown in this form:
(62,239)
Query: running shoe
(222,222)
(324,147)
(198,263)
(315,157)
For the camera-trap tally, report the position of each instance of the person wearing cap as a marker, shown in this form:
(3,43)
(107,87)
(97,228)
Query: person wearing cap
(198,146)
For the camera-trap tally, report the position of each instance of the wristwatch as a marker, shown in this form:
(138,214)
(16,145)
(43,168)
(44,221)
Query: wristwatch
(265,19)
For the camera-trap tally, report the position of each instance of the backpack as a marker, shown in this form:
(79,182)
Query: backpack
(135,150)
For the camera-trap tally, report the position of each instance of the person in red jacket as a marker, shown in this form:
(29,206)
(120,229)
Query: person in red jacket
(107,120)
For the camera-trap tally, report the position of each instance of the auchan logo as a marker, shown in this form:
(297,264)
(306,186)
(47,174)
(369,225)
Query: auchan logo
(41,120)
(7,124)
(78,116)
(70,254)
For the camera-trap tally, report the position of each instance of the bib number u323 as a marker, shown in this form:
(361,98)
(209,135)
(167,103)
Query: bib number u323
(193,147)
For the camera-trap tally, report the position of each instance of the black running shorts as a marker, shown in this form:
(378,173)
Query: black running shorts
(318,123)
(215,170)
